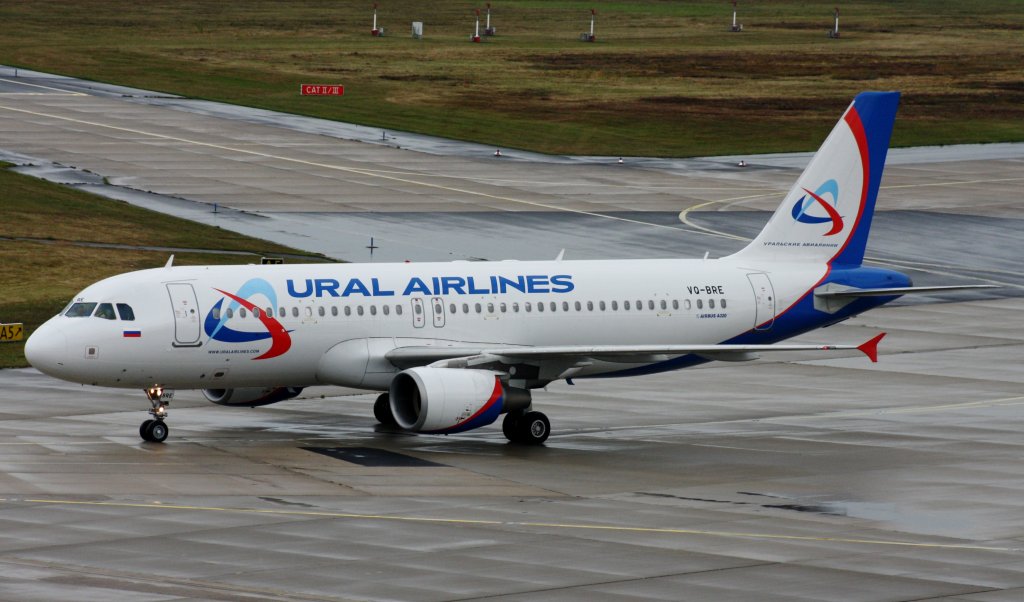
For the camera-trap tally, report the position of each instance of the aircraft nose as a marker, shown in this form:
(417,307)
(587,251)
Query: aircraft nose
(46,349)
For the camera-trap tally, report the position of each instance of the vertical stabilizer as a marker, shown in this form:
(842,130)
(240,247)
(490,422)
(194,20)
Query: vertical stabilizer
(827,214)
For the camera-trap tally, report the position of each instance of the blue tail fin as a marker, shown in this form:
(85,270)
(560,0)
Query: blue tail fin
(827,215)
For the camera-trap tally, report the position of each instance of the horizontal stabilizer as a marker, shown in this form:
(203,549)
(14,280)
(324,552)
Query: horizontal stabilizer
(830,298)
(851,293)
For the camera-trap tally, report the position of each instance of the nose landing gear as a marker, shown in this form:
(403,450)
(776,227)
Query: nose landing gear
(155,430)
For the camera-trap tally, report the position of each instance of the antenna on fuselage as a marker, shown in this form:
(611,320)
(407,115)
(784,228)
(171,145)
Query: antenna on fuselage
(170,261)
(561,254)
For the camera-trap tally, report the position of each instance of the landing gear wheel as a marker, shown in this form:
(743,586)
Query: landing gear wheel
(509,425)
(154,431)
(382,410)
(158,431)
(528,428)
(533,428)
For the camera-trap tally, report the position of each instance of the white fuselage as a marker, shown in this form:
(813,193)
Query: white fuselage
(176,339)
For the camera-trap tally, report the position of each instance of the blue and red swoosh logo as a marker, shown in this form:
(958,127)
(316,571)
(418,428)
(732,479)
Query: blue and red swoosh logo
(817,201)
(217,329)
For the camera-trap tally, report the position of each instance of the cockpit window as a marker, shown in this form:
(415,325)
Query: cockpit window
(80,310)
(125,311)
(105,311)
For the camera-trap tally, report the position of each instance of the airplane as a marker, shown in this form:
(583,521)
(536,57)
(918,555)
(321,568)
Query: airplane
(456,345)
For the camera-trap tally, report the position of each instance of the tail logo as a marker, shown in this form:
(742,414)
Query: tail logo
(801,210)
(215,324)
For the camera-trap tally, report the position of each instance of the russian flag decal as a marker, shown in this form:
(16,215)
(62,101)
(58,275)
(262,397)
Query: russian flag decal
(132,334)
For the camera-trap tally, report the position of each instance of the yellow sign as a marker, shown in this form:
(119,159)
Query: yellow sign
(11,332)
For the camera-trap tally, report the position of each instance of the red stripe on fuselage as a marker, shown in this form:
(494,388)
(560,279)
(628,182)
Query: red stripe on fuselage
(280,341)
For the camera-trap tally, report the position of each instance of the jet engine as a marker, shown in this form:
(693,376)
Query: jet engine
(451,400)
(251,396)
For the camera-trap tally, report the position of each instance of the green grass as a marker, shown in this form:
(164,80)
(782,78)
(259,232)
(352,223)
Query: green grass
(41,274)
(665,77)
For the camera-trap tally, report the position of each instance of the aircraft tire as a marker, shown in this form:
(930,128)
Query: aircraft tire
(382,410)
(157,431)
(510,425)
(144,430)
(533,428)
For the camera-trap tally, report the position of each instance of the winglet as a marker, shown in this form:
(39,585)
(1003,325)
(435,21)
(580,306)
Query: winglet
(870,348)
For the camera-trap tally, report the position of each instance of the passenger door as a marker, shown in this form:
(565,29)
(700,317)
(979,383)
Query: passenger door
(186,314)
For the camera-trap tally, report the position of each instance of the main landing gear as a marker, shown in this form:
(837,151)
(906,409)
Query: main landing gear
(382,410)
(529,428)
(155,430)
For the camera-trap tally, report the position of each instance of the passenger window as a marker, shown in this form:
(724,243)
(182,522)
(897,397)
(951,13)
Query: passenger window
(125,311)
(639,304)
(590,306)
(309,312)
(465,308)
(515,307)
(579,307)
(320,310)
(700,304)
(295,312)
(711,303)
(373,310)
(386,309)
(398,309)
(528,307)
(106,311)
(359,310)
(601,305)
(490,308)
(687,304)
(625,305)
(270,312)
(675,303)
(554,306)
(241,312)
(502,307)
(478,308)
(438,308)
(348,310)
(540,306)
(417,309)
(334,310)
(650,304)
(565,306)
(230,313)
(216,313)
(281,311)
(452,307)
(723,303)
(664,304)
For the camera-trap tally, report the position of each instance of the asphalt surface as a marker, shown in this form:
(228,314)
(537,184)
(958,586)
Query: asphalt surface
(775,480)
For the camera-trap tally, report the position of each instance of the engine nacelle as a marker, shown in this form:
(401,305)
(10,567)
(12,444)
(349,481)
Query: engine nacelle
(451,400)
(251,396)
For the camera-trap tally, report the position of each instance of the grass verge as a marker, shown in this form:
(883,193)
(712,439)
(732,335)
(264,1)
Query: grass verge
(664,78)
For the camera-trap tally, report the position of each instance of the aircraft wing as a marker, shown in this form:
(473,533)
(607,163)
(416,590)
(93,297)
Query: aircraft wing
(464,357)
